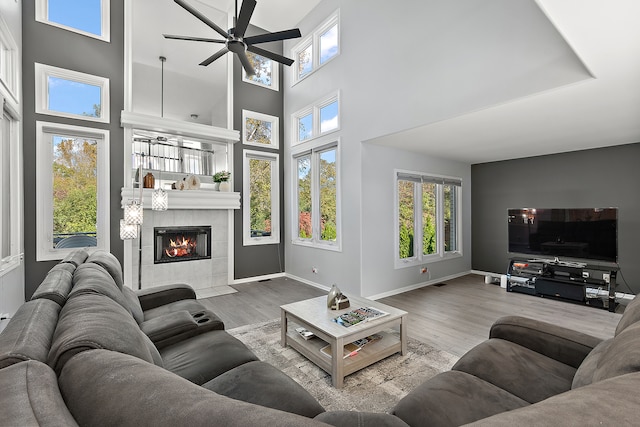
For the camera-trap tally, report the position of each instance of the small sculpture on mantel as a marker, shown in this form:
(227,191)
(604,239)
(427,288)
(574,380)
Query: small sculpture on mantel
(336,300)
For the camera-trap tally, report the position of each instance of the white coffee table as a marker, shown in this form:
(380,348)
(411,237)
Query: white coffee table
(314,315)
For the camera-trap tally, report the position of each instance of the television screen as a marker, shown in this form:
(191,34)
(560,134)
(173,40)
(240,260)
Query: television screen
(586,233)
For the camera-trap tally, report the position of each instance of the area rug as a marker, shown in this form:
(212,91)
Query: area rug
(376,388)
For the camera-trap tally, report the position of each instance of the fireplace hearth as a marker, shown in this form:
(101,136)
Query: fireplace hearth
(177,244)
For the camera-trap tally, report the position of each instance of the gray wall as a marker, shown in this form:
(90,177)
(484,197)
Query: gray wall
(60,48)
(605,177)
(259,260)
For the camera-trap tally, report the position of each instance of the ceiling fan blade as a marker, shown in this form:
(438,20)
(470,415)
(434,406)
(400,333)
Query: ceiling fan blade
(243,19)
(278,58)
(273,37)
(246,64)
(195,39)
(201,17)
(215,56)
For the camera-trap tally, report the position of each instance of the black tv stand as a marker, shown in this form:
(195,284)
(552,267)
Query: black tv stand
(576,282)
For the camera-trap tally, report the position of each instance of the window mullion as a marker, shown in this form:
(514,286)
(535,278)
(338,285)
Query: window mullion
(417,221)
(440,219)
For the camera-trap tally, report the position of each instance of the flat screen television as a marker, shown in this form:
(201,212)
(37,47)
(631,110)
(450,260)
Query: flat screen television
(584,233)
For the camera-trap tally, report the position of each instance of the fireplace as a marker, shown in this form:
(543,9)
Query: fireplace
(177,244)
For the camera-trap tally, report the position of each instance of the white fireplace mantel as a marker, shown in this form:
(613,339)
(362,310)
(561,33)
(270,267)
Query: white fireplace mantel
(186,199)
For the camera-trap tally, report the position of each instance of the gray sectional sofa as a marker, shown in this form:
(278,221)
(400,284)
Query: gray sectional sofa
(87,350)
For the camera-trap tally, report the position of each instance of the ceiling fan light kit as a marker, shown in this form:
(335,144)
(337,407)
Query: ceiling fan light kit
(234,39)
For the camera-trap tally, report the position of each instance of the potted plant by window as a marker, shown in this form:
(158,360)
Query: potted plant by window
(222,180)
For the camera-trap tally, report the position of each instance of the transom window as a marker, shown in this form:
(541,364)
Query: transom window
(266,72)
(427,218)
(317,202)
(66,93)
(318,119)
(322,45)
(72,189)
(86,17)
(261,200)
(260,129)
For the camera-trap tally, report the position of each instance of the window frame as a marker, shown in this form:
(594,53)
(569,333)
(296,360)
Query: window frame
(314,110)
(42,15)
(315,241)
(10,126)
(275,76)
(247,240)
(43,72)
(275,129)
(10,75)
(313,40)
(44,188)
(441,253)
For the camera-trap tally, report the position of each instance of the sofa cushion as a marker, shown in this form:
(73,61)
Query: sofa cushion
(262,384)
(31,397)
(584,374)
(104,388)
(133,303)
(203,357)
(89,321)
(454,398)
(355,418)
(622,356)
(56,285)
(630,316)
(110,263)
(76,257)
(29,332)
(516,369)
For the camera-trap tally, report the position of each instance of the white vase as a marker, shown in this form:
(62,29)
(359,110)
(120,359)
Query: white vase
(225,186)
(216,186)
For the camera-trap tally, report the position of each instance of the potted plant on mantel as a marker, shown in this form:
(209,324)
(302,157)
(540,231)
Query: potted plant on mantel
(222,180)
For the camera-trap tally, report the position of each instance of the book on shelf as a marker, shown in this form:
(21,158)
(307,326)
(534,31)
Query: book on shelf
(351,349)
(305,333)
(359,315)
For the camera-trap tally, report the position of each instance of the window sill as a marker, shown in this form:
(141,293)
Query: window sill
(315,245)
(429,259)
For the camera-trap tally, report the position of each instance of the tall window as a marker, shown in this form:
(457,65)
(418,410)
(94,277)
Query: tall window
(317,119)
(317,49)
(427,218)
(72,189)
(86,17)
(317,206)
(9,203)
(261,220)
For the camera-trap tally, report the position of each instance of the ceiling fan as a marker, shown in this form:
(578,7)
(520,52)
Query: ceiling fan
(234,39)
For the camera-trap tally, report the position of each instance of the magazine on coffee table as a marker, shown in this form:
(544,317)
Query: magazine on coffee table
(362,314)
(352,348)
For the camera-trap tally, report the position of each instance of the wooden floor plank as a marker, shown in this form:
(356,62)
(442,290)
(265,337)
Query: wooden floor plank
(454,317)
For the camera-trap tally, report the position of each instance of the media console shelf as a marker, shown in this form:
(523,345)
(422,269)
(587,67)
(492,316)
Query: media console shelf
(583,283)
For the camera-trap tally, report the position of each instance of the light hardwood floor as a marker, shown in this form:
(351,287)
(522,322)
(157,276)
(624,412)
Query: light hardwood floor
(454,317)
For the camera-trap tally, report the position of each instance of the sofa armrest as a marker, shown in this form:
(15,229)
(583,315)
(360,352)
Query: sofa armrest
(164,327)
(562,344)
(162,295)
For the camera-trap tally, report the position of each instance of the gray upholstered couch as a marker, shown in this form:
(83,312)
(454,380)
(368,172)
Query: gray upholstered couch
(87,350)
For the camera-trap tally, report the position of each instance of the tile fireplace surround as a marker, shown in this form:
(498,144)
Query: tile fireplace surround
(186,208)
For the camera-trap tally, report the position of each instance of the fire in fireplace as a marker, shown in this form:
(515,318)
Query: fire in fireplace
(173,244)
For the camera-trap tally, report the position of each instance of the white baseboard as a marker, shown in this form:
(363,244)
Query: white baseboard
(307,282)
(416,286)
(258,278)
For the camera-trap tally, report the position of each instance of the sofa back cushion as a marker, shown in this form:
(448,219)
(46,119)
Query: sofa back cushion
(89,321)
(93,278)
(76,257)
(31,397)
(56,285)
(110,263)
(29,333)
(630,316)
(585,372)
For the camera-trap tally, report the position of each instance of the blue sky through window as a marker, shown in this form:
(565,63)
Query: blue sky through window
(329,117)
(305,127)
(84,15)
(67,96)
(328,44)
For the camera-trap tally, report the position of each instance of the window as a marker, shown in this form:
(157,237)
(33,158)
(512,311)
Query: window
(316,50)
(86,17)
(261,215)
(72,189)
(267,72)
(318,119)
(10,196)
(9,62)
(260,129)
(67,93)
(316,194)
(427,218)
